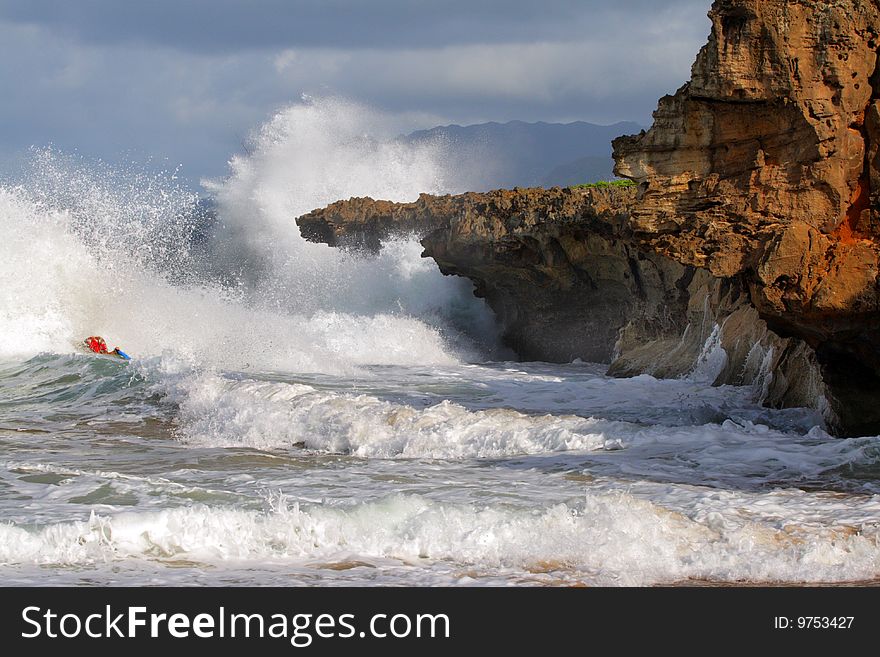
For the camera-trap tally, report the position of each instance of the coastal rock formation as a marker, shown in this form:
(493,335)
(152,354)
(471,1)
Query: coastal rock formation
(567,279)
(546,261)
(363,223)
(765,166)
(755,223)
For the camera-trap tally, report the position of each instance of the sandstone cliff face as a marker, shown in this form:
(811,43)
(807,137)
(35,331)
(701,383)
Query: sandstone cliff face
(765,166)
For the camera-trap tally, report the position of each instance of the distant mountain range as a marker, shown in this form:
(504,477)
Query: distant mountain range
(518,154)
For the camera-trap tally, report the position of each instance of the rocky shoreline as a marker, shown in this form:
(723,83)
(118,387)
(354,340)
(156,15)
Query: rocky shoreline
(755,223)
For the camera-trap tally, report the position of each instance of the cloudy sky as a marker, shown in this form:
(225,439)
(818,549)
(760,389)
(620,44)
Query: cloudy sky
(185,81)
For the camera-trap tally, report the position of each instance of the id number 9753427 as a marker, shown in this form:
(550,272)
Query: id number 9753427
(813,622)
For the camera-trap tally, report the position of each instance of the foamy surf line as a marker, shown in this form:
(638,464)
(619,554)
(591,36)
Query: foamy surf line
(219,411)
(610,537)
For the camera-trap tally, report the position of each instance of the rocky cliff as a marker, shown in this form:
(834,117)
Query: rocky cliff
(765,167)
(755,222)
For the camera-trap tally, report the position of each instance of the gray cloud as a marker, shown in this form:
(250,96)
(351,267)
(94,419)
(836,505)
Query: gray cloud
(229,25)
(187,81)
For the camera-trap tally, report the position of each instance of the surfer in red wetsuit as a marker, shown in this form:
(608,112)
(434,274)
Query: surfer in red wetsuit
(97,344)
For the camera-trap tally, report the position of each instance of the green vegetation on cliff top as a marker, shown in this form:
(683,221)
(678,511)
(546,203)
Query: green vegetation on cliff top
(624,182)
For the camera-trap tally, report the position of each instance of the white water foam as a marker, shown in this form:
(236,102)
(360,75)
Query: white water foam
(93,251)
(609,537)
(712,359)
(217,412)
(310,155)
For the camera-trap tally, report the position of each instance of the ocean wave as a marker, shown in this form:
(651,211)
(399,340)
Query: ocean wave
(606,538)
(218,411)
